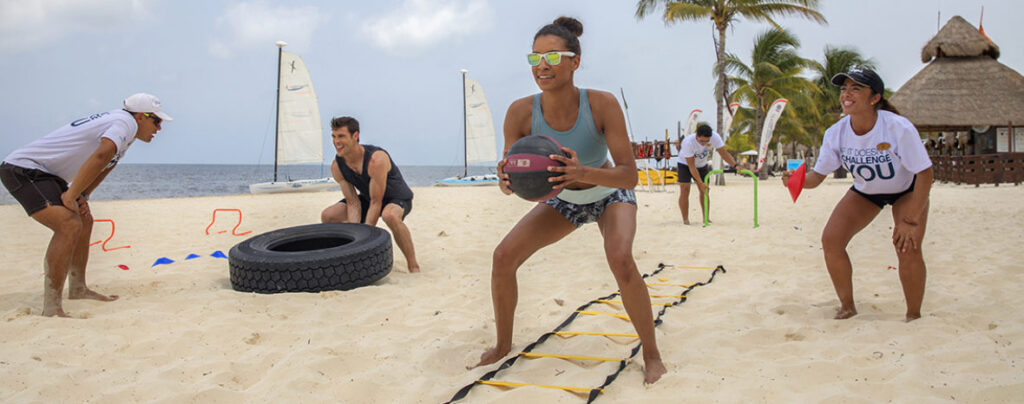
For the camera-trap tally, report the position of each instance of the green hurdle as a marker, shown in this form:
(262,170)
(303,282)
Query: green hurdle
(707,194)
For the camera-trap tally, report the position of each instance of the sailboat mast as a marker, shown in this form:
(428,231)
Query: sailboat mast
(465,132)
(277,104)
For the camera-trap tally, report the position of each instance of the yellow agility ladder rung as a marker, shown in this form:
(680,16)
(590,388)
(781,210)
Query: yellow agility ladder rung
(603,334)
(560,356)
(686,267)
(514,384)
(670,284)
(662,296)
(601,313)
(620,302)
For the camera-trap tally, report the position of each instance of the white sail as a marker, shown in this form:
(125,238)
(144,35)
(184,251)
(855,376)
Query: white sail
(299,131)
(480,138)
(766,132)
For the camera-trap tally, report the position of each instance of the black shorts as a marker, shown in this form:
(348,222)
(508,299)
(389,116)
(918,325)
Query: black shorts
(881,200)
(683,171)
(364,206)
(34,189)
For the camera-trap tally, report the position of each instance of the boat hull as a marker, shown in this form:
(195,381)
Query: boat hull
(470,181)
(313,185)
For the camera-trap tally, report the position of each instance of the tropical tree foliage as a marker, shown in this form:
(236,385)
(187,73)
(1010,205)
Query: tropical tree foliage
(723,14)
(775,71)
(836,60)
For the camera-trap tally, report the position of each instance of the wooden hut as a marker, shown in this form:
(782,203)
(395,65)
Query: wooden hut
(969,105)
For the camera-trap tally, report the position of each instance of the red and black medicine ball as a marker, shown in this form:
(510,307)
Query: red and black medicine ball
(527,165)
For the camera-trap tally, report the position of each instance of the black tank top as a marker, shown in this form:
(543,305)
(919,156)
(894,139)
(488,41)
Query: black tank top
(396,186)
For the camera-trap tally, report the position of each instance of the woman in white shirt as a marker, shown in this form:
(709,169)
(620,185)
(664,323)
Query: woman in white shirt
(889,165)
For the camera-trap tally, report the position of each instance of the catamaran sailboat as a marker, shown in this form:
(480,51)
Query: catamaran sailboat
(478,135)
(298,135)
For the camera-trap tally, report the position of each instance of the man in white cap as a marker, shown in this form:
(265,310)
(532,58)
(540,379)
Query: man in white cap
(81,153)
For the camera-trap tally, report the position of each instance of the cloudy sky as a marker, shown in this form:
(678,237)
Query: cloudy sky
(395,64)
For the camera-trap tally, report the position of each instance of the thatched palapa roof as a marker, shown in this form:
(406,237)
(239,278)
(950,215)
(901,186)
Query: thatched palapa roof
(963,85)
(958,38)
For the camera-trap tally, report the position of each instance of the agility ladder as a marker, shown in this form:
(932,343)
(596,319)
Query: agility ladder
(592,392)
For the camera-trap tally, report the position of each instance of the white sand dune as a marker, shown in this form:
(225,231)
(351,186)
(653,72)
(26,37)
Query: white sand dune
(762,332)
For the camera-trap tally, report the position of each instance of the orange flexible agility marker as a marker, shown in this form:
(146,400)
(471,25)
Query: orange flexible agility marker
(233,230)
(104,245)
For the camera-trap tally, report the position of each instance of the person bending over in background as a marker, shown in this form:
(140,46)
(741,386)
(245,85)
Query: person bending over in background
(82,152)
(692,163)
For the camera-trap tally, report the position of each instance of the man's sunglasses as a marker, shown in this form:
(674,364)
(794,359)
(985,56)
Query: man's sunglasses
(553,58)
(156,119)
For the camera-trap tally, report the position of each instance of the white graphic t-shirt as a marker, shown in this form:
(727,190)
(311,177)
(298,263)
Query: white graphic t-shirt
(882,161)
(63,151)
(691,148)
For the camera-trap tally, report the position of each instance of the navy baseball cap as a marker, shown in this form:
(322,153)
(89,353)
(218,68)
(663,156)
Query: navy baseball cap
(864,77)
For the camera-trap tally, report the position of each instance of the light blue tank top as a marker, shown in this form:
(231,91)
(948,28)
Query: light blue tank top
(584,138)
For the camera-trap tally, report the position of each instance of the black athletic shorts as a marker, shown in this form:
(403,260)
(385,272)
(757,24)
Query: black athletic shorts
(364,206)
(683,171)
(33,189)
(881,200)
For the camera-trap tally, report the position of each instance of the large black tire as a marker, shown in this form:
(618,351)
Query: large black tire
(311,258)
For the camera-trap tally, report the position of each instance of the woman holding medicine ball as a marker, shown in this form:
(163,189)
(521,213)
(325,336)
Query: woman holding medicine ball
(588,124)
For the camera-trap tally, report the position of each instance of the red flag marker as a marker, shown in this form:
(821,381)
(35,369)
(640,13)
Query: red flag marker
(796,181)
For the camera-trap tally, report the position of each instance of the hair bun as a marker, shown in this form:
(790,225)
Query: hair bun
(573,25)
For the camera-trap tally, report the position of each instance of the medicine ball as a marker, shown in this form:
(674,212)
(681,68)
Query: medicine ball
(527,165)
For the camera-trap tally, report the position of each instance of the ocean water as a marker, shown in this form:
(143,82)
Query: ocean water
(147,181)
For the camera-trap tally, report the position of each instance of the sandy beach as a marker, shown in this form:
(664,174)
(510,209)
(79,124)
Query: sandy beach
(761,332)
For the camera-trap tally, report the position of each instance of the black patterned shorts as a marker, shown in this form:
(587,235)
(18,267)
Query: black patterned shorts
(580,215)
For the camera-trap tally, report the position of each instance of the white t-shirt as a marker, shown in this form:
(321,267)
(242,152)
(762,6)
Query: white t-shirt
(882,161)
(63,151)
(691,148)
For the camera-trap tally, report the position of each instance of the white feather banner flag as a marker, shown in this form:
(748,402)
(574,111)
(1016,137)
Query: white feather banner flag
(766,132)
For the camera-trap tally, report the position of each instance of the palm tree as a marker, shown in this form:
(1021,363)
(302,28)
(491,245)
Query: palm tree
(775,71)
(837,60)
(724,13)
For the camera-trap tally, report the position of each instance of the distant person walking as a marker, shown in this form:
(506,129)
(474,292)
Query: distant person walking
(81,153)
(692,165)
(373,187)
(890,166)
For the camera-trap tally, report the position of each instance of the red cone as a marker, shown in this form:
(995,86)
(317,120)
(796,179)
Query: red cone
(796,181)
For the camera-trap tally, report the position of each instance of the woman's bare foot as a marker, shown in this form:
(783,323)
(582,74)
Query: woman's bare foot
(493,355)
(686,221)
(51,312)
(913,316)
(845,313)
(653,369)
(86,293)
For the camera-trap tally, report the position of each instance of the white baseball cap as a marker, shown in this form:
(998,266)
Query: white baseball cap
(143,102)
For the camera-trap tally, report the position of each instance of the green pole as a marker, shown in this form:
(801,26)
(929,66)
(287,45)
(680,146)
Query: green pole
(707,199)
(751,174)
